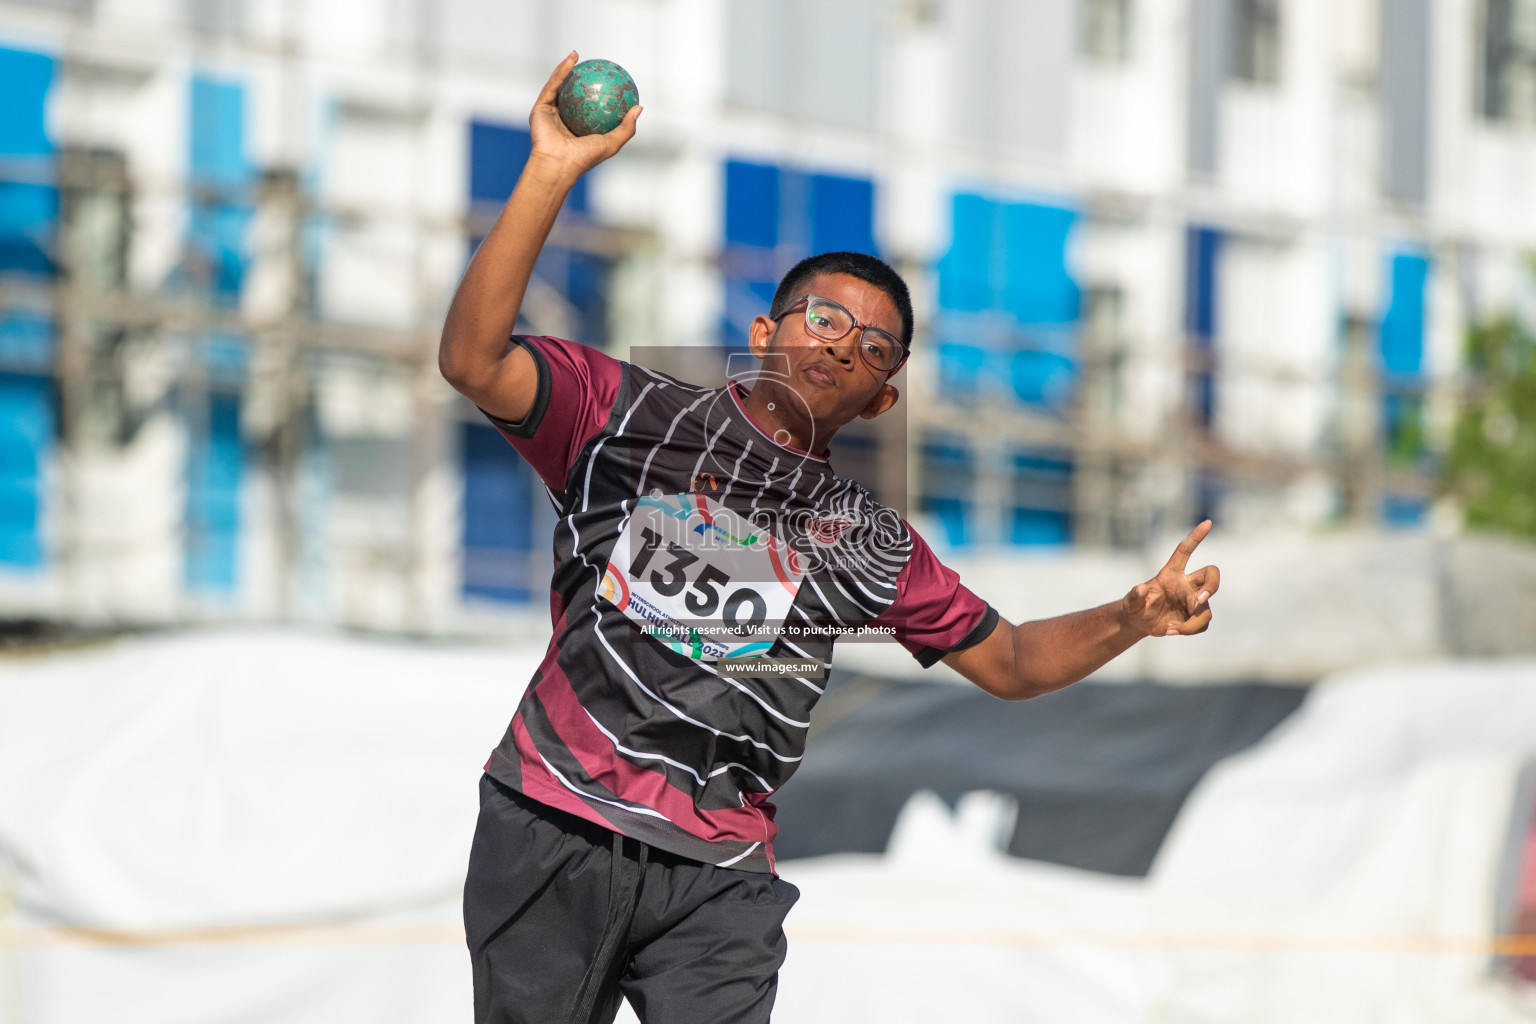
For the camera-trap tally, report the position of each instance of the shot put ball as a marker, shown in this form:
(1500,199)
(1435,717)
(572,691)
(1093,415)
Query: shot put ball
(595,96)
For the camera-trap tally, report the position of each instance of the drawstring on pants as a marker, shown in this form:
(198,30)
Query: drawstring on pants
(623,891)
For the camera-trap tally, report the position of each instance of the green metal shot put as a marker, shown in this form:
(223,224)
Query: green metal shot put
(595,96)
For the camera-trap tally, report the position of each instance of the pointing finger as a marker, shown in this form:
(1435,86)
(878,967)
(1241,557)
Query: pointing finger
(1186,547)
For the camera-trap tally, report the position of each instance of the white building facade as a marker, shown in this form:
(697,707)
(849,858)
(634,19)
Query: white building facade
(1171,259)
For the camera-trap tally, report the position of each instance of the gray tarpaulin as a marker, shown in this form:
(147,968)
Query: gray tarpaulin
(1099,770)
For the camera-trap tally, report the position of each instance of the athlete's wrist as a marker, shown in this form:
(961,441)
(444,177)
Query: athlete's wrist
(1129,623)
(547,171)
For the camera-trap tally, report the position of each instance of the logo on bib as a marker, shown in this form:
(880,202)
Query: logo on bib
(614,589)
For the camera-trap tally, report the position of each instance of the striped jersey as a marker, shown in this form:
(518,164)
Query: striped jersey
(688,543)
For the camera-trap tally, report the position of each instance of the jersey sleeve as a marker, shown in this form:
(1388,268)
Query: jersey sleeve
(934,614)
(577,389)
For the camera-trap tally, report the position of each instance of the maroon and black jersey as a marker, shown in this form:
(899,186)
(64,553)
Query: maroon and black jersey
(688,538)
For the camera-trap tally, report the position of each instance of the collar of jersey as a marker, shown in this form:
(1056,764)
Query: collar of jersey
(733,386)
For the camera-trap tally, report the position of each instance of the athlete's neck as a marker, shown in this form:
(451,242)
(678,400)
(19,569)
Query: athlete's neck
(780,417)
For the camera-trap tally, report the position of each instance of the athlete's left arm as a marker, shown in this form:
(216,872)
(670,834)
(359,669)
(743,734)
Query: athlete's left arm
(1016,662)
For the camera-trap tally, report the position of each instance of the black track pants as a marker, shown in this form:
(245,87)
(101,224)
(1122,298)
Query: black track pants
(564,916)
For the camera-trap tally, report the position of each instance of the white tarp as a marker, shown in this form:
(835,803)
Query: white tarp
(1342,870)
(272,826)
(279,820)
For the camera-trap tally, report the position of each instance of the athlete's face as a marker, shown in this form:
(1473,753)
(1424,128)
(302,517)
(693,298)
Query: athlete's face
(835,382)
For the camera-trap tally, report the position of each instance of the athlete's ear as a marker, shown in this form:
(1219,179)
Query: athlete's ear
(882,402)
(759,334)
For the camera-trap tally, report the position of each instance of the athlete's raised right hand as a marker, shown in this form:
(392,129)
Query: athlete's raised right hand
(553,142)
(474,354)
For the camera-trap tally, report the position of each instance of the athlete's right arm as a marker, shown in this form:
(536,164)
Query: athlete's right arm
(475,354)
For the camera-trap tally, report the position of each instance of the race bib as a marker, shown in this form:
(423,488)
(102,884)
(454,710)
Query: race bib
(694,575)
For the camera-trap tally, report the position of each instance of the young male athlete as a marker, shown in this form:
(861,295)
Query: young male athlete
(707,556)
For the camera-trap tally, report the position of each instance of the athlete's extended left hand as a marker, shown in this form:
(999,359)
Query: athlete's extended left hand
(1174,602)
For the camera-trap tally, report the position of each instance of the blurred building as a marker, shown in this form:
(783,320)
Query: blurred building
(1172,258)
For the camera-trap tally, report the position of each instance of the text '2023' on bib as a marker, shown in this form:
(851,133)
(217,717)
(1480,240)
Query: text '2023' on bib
(694,575)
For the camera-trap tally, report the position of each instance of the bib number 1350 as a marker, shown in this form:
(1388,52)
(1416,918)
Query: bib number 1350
(697,578)
(743,611)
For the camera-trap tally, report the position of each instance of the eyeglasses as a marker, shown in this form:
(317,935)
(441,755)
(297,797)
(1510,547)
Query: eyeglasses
(829,321)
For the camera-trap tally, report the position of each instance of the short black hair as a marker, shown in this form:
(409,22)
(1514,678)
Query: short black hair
(863,266)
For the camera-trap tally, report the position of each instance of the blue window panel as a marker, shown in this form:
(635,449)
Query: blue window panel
(1402,359)
(1202,255)
(1402,325)
(1042,499)
(582,279)
(226,356)
(1056,469)
(1010,258)
(842,214)
(1008,263)
(948,473)
(28,225)
(745,299)
(216,260)
(775,216)
(954,518)
(499,491)
(752,209)
(1202,249)
(27,341)
(1039,527)
(770,207)
(965,272)
(961,367)
(216,464)
(218,245)
(952,454)
(29,210)
(26,439)
(23,127)
(586,285)
(1401,511)
(1032,370)
(497,153)
(218,133)
(794,214)
(1037,287)
(1042,377)
(754,212)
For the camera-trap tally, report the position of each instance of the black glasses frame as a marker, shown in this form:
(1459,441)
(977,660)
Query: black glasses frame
(854,324)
